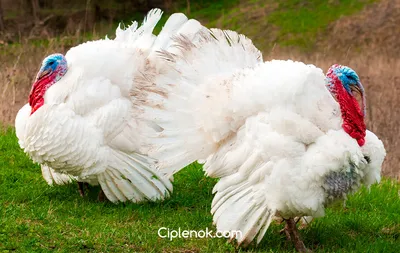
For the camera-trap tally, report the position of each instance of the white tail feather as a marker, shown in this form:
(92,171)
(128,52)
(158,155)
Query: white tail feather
(180,104)
(142,35)
(174,22)
(236,208)
(53,177)
(129,177)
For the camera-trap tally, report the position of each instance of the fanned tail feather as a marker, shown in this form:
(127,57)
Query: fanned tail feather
(142,34)
(180,104)
(174,22)
(130,177)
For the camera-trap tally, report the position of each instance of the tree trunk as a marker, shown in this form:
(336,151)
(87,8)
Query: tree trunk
(1,17)
(188,7)
(35,9)
(32,8)
(168,5)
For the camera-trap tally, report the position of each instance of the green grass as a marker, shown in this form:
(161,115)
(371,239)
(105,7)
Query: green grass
(283,22)
(38,218)
(299,21)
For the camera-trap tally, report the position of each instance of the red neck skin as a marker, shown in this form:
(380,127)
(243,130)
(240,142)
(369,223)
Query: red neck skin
(36,97)
(353,118)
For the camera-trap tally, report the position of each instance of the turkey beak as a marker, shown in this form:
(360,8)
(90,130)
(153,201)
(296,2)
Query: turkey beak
(42,73)
(359,89)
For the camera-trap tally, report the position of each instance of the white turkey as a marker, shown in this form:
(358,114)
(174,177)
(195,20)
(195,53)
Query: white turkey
(283,139)
(79,122)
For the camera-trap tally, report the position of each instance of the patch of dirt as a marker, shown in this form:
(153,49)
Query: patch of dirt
(377,27)
(9,111)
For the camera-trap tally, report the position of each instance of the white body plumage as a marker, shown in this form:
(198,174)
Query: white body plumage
(86,128)
(271,131)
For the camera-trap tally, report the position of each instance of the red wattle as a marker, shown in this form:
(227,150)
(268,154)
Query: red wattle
(352,115)
(36,97)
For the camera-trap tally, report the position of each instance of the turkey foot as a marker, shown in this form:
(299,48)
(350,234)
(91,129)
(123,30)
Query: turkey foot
(101,197)
(305,222)
(293,234)
(285,231)
(81,188)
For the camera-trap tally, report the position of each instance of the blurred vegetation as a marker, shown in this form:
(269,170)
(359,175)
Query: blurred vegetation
(283,22)
(59,17)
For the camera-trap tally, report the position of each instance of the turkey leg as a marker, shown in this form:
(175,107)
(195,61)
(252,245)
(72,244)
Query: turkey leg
(81,188)
(293,234)
(285,231)
(101,197)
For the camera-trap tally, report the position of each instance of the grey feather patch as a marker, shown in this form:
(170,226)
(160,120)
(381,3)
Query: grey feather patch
(338,184)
